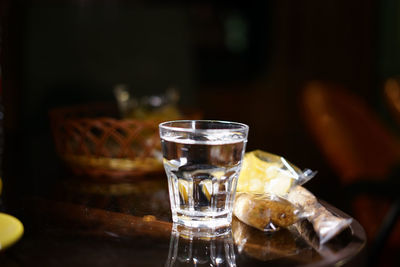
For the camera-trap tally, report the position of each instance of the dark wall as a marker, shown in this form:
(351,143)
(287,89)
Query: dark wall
(232,59)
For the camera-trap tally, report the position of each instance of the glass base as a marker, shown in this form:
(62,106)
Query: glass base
(189,232)
(202,226)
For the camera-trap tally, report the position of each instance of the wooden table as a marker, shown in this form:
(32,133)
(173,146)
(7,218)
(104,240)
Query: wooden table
(82,222)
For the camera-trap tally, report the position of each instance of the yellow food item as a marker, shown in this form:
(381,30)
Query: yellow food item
(183,189)
(280,185)
(207,189)
(261,176)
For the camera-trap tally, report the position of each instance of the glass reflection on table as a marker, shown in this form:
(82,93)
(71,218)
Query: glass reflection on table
(187,248)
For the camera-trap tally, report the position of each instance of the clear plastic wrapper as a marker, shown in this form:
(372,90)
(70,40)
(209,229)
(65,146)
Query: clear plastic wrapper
(266,176)
(263,172)
(266,212)
(326,225)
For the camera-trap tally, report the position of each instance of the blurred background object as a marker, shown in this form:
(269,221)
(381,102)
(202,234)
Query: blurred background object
(115,140)
(392,97)
(365,157)
(102,145)
(232,60)
(161,107)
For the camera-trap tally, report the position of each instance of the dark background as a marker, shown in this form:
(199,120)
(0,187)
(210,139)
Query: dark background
(236,61)
(244,61)
(233,60)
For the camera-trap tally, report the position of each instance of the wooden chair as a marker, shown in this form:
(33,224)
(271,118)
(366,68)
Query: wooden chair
(364,155)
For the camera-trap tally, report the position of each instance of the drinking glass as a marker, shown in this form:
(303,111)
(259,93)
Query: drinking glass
(202,160)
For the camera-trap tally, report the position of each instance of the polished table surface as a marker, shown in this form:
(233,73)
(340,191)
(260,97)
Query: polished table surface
(87,222)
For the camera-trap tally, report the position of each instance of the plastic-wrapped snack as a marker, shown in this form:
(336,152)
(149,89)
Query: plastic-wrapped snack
(264,172)
(326,225)
(265,212)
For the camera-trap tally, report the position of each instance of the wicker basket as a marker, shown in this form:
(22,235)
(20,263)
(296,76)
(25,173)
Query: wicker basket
(93,143)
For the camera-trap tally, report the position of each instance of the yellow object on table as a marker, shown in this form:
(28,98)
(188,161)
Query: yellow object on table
(11,230)
(263,172)
(261,176)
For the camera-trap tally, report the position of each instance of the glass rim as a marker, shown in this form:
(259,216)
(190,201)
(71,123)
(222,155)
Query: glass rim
(238,126)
